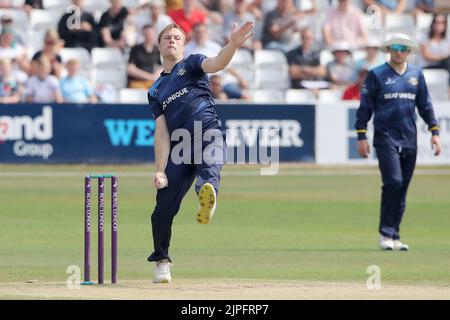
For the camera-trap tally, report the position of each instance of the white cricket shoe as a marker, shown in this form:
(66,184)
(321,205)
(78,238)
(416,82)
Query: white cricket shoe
(399,246)
(207,203)
(161,272)
(386,243)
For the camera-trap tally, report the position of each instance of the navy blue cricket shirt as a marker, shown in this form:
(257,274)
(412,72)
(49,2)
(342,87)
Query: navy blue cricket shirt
(184,95)
(393,99)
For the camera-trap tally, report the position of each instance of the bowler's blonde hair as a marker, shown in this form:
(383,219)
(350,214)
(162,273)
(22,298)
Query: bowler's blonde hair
(168,28)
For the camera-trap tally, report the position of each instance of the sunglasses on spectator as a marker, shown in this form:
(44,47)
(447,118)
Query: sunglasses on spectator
(399,48)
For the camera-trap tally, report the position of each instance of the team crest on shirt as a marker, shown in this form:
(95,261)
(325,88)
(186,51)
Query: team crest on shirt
(181,71)
(413,80)
(389,81)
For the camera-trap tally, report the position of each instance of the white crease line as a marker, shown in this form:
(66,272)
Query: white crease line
(71,174)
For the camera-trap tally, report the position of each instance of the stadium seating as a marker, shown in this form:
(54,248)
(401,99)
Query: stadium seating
(138,96)
(330,95)
(267,96)
(404,22)
(263,70)
(56,5)
(300,96)
(271,70)
(107,58)
(44,19)
(115,77)
(437,82)
(242,62)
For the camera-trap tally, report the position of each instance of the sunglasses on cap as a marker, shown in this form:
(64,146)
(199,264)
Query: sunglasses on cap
(399,48)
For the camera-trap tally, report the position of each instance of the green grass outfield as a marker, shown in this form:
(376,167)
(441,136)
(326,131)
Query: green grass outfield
(306,224)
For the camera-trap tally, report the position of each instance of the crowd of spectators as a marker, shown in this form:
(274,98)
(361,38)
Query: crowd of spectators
(304,30)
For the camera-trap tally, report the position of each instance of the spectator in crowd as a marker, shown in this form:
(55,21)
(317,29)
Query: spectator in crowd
(174,4)
(213,10)
(219,6)
(260,8)
(304,61)
(234,85)
(52,46)
(13,51)
(200,43)
(7,21)
(435,46)
(81,31)
(188,16)
(231,90)
(353,92)
(427,6)
(345,23)
(6,4)
(75,88)
(10,87)
(157,18)
(374,57)
(279,25)
(31,5)
(43,87)
(340,71)
(239,14)
(144,65)
(112,25)
(388,6)
(217,88)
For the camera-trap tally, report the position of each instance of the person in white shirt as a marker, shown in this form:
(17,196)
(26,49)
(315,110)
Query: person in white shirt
(43,87)
(157,18)
(200,43)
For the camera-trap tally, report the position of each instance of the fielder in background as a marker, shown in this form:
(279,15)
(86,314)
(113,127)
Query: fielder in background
(391,92)
(181,99)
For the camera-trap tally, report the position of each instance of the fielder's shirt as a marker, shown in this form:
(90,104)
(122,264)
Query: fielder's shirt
(393,99)
(184,95)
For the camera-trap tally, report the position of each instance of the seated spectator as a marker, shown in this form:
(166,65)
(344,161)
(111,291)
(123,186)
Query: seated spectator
(427,6)
(10,87)
(304,61)
(157,18)
(213,9)
(260,8)
(13,51)
(391,6)
(31,5)
(217,88)
(174,4)
(231,90)
(52,46)
(279,25)
(353,92)
(188,17)
(435,46)
(340,71)
(345,23)
(7,21)
(234,85)
(85,34)
(239,14)
(112,25)
(6,4)
(75,88)
(144,65)
(200,43)
(43,87)
(374,57)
